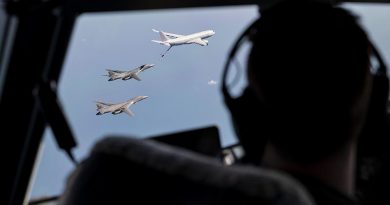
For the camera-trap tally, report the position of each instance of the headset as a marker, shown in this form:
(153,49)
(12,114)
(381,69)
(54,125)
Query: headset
(374,132)
(245,105)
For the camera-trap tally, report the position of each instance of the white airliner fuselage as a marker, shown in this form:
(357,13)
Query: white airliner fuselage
(171,39)
(118,108)
(126,75)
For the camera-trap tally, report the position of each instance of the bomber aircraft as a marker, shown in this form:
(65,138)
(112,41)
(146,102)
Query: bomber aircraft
(118,108)
(126,75)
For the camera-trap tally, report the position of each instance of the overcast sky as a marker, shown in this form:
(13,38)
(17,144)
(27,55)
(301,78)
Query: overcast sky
(183,87)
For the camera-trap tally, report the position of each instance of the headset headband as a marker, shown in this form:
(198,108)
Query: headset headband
(382,70)
(241,39)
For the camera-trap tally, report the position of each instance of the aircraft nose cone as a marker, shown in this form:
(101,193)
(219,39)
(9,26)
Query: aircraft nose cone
(142,98)
(146,66)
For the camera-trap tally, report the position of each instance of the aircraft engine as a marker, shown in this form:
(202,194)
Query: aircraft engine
(116,112)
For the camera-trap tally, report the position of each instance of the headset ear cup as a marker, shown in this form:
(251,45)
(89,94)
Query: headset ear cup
(244,109)
(374,132)
(372,142)
(249,121)
(373,155)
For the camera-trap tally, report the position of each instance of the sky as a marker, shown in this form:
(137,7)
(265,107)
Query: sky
(183,87)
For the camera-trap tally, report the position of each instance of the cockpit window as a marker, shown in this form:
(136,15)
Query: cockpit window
(375,18)
(183,87)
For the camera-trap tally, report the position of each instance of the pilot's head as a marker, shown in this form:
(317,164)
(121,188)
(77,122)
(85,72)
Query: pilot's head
(309,67)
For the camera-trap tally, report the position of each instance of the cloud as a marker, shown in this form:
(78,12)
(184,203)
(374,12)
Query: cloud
(212,82)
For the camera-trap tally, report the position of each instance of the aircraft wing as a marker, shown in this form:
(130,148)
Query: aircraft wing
(98,103)
(115,71)
(128,111)
(198,41)
(172,35)
(136,77)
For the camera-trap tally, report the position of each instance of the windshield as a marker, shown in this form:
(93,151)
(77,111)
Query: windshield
(182,88)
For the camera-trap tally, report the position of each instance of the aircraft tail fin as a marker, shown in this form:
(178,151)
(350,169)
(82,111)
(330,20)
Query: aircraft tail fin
(161,42)
(99,105)
(163,37)
(111,73)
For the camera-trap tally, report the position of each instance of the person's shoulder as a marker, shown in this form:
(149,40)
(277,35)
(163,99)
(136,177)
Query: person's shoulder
(324,194)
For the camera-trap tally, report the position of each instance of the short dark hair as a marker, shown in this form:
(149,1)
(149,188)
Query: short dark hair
(309,65)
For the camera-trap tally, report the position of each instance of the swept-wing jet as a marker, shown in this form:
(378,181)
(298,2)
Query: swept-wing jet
(118,108)
(171,39)
(126,75)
